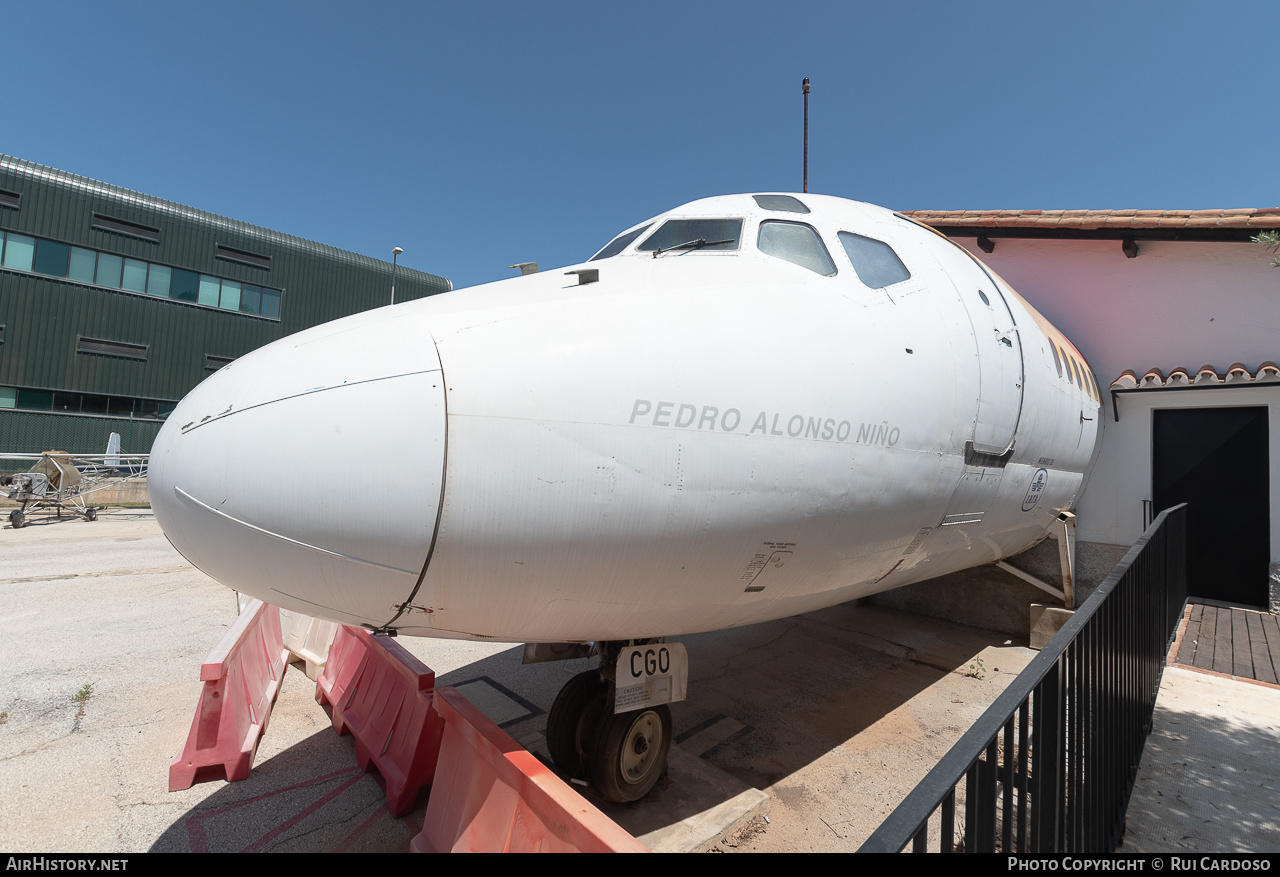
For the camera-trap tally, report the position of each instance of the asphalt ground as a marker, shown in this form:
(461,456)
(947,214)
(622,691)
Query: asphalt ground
(833,716)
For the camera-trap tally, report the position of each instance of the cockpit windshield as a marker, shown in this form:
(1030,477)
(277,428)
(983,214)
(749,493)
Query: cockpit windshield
(620,243)
(694,234)
(795,242)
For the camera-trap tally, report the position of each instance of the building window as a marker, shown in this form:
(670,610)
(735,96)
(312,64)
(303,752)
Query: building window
(185,286)
(51,258)
(55,259)
(18,251)
(209,287)
(52,401)
(271,303)
(158,280)
(82,265)
(35,400)
(230,300)
(109,268)
(135,276)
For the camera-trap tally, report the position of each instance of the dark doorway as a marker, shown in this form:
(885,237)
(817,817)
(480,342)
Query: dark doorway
(1215,460)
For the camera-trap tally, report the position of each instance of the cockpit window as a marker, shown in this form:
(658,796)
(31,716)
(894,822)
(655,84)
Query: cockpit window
(795,242)
(786,203)
(620,243)
(694,234)
(875,261)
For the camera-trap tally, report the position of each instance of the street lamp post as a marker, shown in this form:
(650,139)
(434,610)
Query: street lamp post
(395,254)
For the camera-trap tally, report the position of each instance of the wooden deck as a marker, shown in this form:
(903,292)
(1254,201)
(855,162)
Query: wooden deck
(1237,642)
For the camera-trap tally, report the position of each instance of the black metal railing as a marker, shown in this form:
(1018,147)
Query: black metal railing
(1049,767)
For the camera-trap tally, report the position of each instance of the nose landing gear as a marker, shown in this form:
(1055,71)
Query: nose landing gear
(622,755)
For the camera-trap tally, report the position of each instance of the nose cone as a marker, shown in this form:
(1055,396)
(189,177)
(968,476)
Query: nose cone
(309,472)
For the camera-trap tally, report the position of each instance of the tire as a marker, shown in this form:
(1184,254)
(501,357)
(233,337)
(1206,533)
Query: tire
(91,514)
(17,519)
(571,725)
(631,753)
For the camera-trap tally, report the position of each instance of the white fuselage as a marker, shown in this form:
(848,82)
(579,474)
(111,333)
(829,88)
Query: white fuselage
(701,439)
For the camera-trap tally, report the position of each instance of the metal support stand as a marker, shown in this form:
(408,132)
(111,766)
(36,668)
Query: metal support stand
(1066,536)
(1067,556)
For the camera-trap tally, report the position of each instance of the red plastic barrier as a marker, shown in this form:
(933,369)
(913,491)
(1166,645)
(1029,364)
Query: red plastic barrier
(241,680)
(492,795)
(345,657)
(381,694)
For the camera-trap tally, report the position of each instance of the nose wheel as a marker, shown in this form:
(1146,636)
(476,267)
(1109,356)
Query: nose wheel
(631,753)
(571,725)
(622,755)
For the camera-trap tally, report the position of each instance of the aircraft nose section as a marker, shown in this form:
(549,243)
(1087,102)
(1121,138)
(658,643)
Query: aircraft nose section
(309,473)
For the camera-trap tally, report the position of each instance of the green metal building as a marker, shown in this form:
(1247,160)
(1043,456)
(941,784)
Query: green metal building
(114,304)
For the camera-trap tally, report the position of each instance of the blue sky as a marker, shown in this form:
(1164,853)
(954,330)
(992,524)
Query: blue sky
(478,135)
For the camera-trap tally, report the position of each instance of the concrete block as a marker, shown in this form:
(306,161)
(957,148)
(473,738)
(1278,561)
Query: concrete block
(993,599)
(1046,621)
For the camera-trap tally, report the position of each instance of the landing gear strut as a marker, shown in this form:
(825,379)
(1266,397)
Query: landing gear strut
(622,755)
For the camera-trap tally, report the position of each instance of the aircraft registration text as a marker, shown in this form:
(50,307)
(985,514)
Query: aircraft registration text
(682,415)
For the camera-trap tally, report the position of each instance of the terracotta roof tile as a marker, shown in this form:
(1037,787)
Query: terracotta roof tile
(1236,217)
(1153,379)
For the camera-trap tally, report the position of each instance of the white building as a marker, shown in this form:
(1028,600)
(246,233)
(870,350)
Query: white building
(1179,313)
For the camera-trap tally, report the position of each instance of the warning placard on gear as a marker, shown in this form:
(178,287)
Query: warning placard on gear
(649,675)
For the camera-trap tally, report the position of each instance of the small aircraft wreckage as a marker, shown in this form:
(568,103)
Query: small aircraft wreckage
(58,481)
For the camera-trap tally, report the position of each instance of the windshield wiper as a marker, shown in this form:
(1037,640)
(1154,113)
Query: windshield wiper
(696,244)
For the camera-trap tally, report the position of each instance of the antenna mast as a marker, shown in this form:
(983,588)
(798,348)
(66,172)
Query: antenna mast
(806,134)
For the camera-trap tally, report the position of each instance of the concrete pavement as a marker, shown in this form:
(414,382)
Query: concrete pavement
(832,716)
